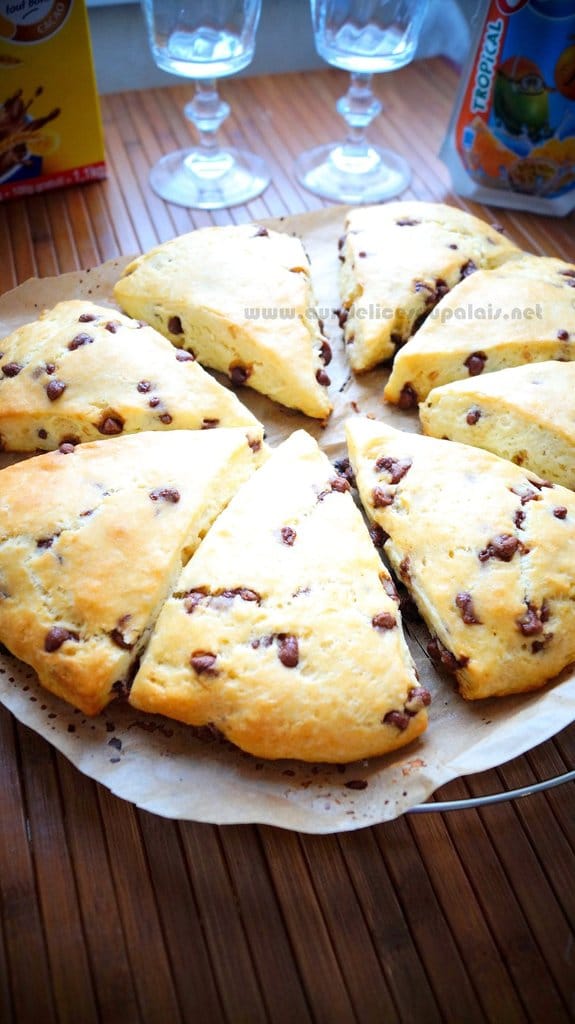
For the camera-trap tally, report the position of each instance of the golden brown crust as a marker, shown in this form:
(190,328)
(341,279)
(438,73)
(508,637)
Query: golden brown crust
(522,312)
(91,539)
(84,372)
(486,550)
(282,631)
(525,414)
(398,260)
(241,299)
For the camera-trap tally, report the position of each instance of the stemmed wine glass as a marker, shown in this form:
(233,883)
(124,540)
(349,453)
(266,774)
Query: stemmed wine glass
(364,37)
(205,40)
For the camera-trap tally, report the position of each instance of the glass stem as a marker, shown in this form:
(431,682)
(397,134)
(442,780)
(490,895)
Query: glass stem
(207,112)
(358,108)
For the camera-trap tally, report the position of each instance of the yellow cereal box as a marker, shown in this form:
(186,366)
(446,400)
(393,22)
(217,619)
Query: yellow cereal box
(50,126)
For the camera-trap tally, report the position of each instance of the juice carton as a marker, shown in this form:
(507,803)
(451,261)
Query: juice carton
(511,141)
(50,127)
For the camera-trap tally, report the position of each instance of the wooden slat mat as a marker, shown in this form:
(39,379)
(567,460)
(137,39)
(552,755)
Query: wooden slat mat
(109,914)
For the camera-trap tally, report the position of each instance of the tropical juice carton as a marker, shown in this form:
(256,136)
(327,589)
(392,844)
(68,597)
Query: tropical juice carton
(50,126)
(511,141)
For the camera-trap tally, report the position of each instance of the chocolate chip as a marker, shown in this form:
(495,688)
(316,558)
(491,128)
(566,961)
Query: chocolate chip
(111,424)
(288,650)
(452,245)
(407,397)
(502,547)
(473,415)
(398,719)
(78,340)
(560,512)
(185,356)
(54,389)
(341,242)
(531,623)
(567,273)
(165,418)
(192,599)
(66,448)
(261,233)
(362,255)
(343,467)
(262,641)
(405,569)
(383,620)
(43,433)
(339,483)
(118,638)
(56,636)
(468,268)
(342,315)
(381,498)
(322,378)
(254,443)
(239,375)
(356,784)
(12,369)
(113,326)
(378,536)
(45,542)
(439,654)
(389,586)
(175,325)
(397,468)
(143,386)
(417,699)
(527,494)
(464,602)
(563,335)
(50,368)
(475,363)
(154,402)
(288,535)
(406,222)
(86,318)
(519,518)
(325,352)
(169,494)
(208,424)
(244,593)
(203,662)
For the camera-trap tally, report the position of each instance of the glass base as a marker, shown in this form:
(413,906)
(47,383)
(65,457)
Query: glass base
(229,178)
(368,177)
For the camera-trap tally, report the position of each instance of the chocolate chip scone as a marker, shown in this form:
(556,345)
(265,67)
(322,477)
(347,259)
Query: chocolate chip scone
(284,630)
(397,261)
(522,312)
(91,541)
(486,550)
(240,299)
(82,372)
(525,414)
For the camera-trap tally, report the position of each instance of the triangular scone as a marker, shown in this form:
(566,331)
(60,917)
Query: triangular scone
(284,630)
(91,541)
(398,260)
(240,298)
(82,372)
(486,550)
(525,414)
(523,312)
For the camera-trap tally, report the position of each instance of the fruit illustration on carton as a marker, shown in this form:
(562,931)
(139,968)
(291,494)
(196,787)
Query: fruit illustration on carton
(511,141)
(521,98)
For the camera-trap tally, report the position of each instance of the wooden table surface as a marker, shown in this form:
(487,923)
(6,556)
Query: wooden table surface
(114,915)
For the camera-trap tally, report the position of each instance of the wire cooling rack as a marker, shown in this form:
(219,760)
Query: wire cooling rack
(492,798)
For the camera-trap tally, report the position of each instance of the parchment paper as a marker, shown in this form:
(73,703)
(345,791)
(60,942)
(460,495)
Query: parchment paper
(178,772)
